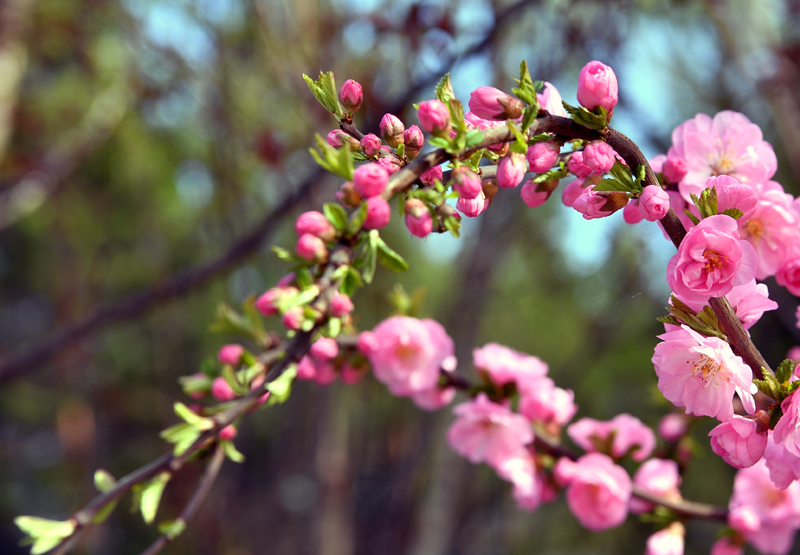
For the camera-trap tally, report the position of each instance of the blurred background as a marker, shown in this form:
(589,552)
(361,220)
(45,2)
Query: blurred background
(152,150)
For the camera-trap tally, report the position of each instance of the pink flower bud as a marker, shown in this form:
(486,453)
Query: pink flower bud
(287,280)
(316,224)
(597,86)
(631,213)
(536,194)
(324,348)
(311,248)
(338,138)
(599,205)
(414,139)
(228,433)
(392,130)
(306,369)
(389,163)
(348,195)
(653,203)
(794,353)
(293,318)
(542,156)
(511,170)
(466,182)
(325,373)
(577,166)
(230,354)
(493,104)
(267,304)
(727,546)
(550,100)
(674,169)
(673,426)
(434,117)
(353,374)
(378,213)
(572,191)
(598,156)
(351,95)
(367,343)
(473,207)
(739,441)
(370,180)
(788,276)
(371,144)
(418,218)
(340,305)
(744,520)
(430,176)
(221,390)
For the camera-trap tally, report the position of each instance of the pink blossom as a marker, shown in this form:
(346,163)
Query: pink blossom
(488,432)
(466,183)
(711,260)
(473,207)
(311,248)
(418,218)
(341,305)
(732,194)
(502,365)
(510,170)
(429,177)
(535,194)
(577,166)
(673,426)
(391,164)
(324,348)
(598,156)
(744,519)
(784,467)
(789,276)
(493,104)
(774,230)
(542,401)
(730,144)
(550,100)
(597,86)
(230,354)
(702,374)
(740,441)
(599,204)
(314,223)
(668,541)
(786,430)
(392,130)
(572,191)
(542,155)
(653,203)
(434,117)
(521,471)
(631,213)
(727,546)
(378,213)
(334,138)
(228,433)
(627,434)
(598,492)
(293,318)
(434,398)
(409,354)
(324,372)
(221,391)
(794,353)
(370,179)
(351,95)
(657,476)
(674,169)
(371,144)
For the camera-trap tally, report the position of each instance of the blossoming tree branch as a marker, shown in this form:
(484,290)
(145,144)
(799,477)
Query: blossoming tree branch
(712,194)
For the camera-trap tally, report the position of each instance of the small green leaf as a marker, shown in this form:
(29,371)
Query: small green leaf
(231,452)
(622,174)
(230,378)
(473,138)
(304,297)
(444,89)
(281,388)
(357,219)
(346,164)
(734,213)
(37,527)
(559,172)
(324,90)
(351,282)
(390,259)
(333,327)
(336,215)
(303,277)
(370,256)
(284,255)
(150,496)
(103,480)
(582,116)
(785,370)
(453,225)
(172,528)
(186,414)
(439,142)
(692,217)
(610,184)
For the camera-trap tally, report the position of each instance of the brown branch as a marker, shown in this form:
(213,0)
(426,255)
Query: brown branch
(176,285)
(208,479)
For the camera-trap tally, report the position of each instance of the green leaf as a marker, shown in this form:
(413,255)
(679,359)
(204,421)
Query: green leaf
(103,480)
(439,142)
(528,116)
(230,379)
(520,142)
(324,90)
(453,225)
(734,213)
(692,217)
(352,281)
(582,116)
(43,533)
(149,495)
(285,255)
(610,184)
(104,513)
(186,414)
(181,435)
(622,173)
(370,256)
(336,215)
(333,327)
(172,528)
(556,173)
(390,259)
(346,164)
(357,219)
(785,370)
(304,297)
(281,388)
(231,452)
(527,88)
(473,138)
(444,89)
(303,277)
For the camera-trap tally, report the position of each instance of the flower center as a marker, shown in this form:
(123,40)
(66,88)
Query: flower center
(705,366)
(714,260)
(754,228)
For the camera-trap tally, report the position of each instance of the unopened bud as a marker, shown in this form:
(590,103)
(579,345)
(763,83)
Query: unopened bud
(371,144)
(392,130)
(351,95)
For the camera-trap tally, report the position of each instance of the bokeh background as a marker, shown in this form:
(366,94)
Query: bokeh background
(152,150)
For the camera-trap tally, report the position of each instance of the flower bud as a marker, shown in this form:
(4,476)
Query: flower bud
(228,433)
(267,304)
(572,191)
(370,179)
(598,156)
(597,86)
(418,218)
(351,95)
(221,390)
(653,203)
(414,139)
(392,130)
(325,373)
(378,213)
(466,182)
(674,169)
(324,348)
(353,374)
(511,170)
(542,156)
(340,305)
(316,224)
(536,194)
(577,166)
(293,318)
(473,207)
(311,248)
(430,176)
(673,426)
(338,138)
(306,369)
(434,117)
(389,163)
(493,104)
(230,354)
(599,204)
(631,213)
(371,144)
(348,195)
